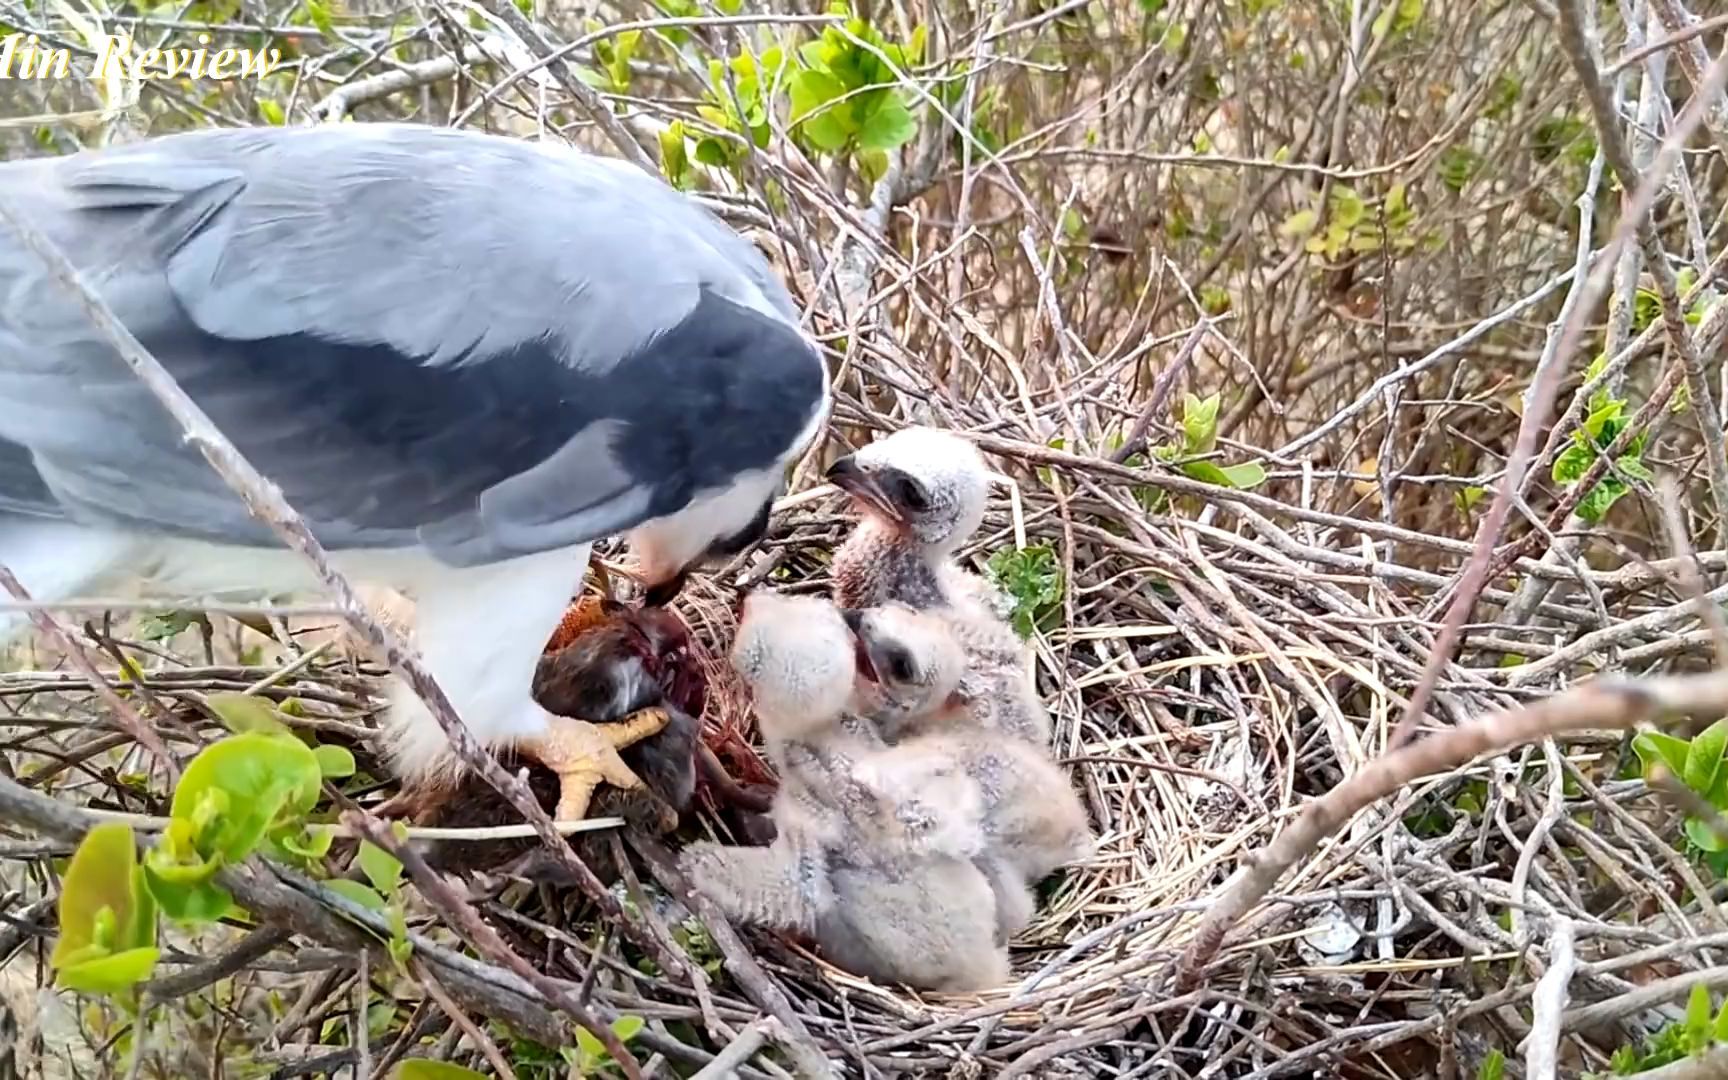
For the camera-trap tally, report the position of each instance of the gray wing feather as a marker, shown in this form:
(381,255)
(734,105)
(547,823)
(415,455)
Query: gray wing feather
(422,335)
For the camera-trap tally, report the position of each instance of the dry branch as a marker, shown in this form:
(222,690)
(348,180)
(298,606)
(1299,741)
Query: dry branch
(1604,703)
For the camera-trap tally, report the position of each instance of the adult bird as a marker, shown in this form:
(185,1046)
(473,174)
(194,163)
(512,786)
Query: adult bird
(462,357)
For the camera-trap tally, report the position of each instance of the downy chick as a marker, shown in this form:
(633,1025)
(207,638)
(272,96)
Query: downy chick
(876,884)
(1033,821)
(923,493)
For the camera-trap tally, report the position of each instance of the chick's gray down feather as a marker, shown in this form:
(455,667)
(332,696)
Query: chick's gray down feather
(482,345)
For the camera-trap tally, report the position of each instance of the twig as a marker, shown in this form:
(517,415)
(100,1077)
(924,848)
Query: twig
(806,1056)
(1539,403)
(750,1040)
(464,918)
(247,951)
(461,1019)
(1167,379)
(477,834)
(588,99)
(124,713)
(1605,703)
(1542,1054)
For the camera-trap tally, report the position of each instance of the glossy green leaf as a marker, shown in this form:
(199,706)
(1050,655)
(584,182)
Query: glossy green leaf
(1200,423)
(1572,464)
(1653,747)
(810,90)
(626,1027)
(424,1069)
(360,894)
(382,869)
(1635,468)
(1704,757)
(1493,1066)
(1703,836)
(114,973)
(1206,473)
(1247,475)
(1595,506)
(308,842)
(235,789)
(889,126)
(334,762)
(1698,1014)
(103,902)
(590,1045)
(711,151)
(246,712)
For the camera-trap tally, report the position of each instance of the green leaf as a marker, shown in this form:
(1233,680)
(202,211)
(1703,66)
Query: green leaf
(334,762)
(1348,209)
(258,778)
(1595,506)
(105,911)
(1199,423)
(1635,468)
(1301,223)
(382,869)
(423,1069)
(1467,498)
(811,90)
(1719,1029)
(889,126)
(1597,423)
(1653,747)
(1703,837)
(114,973)
(815,113)
(1207,473)
(1493,1066)
(1704,756)
(320,15)
(711,151)
(305,843)
(1572,464)
(872,165)
(626,1027)
(1698,1015)
(590,1045)
(826,132)
(245,712)
(360,894)
(1245,476)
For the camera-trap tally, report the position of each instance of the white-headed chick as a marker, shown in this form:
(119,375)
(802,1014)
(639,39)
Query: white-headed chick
(887,888)
(1033,821)
(923,493)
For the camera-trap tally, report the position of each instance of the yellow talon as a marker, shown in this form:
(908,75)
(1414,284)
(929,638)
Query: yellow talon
(583,755)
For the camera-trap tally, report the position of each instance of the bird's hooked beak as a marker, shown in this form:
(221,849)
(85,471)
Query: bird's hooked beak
(865,664)
(862,484)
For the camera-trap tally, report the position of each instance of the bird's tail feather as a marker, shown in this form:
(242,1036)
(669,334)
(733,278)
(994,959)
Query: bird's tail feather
(53,560)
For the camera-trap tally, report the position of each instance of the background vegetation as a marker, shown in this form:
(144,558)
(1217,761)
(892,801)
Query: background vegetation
(1332,374)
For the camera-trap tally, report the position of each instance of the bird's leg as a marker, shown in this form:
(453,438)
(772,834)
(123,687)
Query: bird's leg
(584,755)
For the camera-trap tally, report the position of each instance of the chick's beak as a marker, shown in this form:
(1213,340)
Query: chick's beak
(858,482)
(864,665)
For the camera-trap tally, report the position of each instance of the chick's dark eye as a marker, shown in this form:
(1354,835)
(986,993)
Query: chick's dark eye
(912,494)
(900,667)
